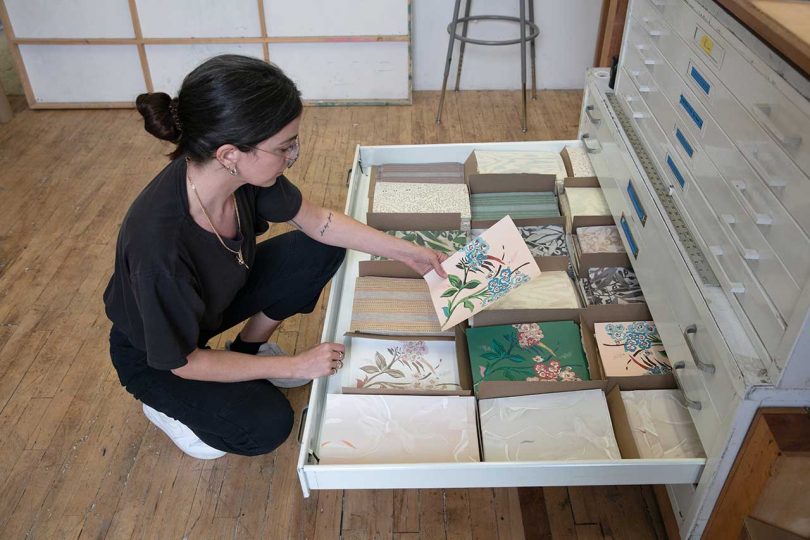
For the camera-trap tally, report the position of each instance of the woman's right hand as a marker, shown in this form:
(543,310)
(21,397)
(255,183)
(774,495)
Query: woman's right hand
(324,359)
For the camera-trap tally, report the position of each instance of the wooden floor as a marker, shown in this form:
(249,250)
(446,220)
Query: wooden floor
(79,459)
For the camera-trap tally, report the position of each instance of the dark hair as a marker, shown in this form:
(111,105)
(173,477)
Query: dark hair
(229,99)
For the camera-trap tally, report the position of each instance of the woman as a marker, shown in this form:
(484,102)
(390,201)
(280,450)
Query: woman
(187,265)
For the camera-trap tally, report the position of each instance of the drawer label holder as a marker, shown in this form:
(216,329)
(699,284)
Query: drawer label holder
(676,172)
(631,192)
(628,235)
(687,147)
(691,111)
(700,80)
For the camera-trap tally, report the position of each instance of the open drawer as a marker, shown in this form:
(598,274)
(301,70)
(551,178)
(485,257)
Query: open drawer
(447,475)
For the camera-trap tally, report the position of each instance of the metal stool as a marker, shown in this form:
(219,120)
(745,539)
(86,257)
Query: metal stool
(534,31)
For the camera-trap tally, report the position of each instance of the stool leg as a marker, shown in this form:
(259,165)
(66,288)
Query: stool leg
(449,59)
(523,60)
(532,49)
(463,43)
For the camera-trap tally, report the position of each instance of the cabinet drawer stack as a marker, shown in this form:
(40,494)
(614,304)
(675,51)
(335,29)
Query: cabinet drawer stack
(732,141)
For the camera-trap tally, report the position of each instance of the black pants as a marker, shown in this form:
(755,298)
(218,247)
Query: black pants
(253,417)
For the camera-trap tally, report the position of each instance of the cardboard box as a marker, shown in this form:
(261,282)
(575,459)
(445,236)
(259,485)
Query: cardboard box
(620,313)
(493,389)
(404,222)
(569,169)
(462,359)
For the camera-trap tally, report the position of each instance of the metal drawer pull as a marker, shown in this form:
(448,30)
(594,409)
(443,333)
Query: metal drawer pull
(768,162)
(585,138)
(629,236)
(747,253)
(759,217)
(631,191)
(302,424)
(763,112)
(647,61)
(643,88)
(734,287)
(659,3)
(588,110)
(702,366)
(654,32)
(689,403)
(634,114)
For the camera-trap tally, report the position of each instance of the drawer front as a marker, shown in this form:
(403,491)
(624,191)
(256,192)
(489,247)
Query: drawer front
(775,107)
(772,229)
(743,234)
(452,475)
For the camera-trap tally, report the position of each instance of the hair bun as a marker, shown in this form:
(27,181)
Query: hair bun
(160,117)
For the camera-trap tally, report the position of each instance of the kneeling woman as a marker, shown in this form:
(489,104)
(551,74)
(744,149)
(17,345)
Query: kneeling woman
(188,267)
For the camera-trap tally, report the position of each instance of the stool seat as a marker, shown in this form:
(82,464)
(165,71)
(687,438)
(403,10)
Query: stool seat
(529,31)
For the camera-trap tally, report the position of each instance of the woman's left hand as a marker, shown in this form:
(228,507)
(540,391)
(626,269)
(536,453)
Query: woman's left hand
(423,260)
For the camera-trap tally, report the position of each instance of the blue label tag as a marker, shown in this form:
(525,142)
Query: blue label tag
(675,171)
(682,139)
(691,112)
(701,82)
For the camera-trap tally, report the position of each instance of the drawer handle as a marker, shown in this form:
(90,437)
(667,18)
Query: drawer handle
(689,403)
(635,114)
(631,191)
(700,80)
(629,236)
(691,111)
(643,88)
(767,161)
(304,413)
(652,32)
(659,3)
(647,61)
(585,138)
(746,253)
(763,113)
(588,112)
(687,147)
(734,287)
(759,217)
(702,366)
(675,171)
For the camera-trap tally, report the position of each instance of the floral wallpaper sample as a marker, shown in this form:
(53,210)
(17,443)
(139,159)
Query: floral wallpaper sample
(560,426)
(549,351)
(631,348)
(392,364)
(483,272)
(446,242)
(359,428)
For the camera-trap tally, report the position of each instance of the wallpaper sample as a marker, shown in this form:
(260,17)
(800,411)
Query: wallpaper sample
(360,428)
(548,351)
(510,162)
(563,426)
(517,205)
(421,172)
(486,269)
(419,198)
(587,202)
(661,424)
(443,241)
(580,162)
(394,306)
(393,364)
(600,239)
(549,290)
(542,240)
(611,285)
(631,348)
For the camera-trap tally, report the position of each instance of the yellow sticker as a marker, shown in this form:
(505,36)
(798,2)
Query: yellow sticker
(707,44)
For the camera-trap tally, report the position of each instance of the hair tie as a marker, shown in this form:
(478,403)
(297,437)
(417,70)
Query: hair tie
(173,105)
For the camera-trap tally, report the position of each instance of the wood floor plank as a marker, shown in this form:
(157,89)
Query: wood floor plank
(536,525)
(483,515)
(406,511)
(457,514)
(560,515)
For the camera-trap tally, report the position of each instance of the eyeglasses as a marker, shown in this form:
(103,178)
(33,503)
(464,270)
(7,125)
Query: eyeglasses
(290,153)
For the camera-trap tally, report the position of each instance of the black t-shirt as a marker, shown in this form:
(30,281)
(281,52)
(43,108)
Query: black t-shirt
(172,278)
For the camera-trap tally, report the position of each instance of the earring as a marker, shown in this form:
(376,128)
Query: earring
(233,171)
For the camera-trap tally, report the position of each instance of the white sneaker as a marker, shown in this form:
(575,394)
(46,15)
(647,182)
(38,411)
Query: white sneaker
(185,439)
(271,349)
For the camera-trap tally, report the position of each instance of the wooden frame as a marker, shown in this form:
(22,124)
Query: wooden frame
(140,42)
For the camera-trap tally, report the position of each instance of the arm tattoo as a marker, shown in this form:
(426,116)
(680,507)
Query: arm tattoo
(326,225)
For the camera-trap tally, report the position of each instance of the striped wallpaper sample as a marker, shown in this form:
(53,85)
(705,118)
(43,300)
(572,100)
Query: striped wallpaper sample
(421,172)
(394,307)
(517,205)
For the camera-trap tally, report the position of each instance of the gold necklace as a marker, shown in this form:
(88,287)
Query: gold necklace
(239,258)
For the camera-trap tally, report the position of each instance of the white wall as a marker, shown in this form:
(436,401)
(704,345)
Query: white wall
(565,47)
